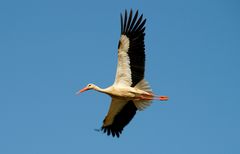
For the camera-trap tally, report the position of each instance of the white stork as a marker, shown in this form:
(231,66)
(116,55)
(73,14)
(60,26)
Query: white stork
(130,92)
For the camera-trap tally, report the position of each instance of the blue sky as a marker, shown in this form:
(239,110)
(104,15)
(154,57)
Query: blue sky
(49,49)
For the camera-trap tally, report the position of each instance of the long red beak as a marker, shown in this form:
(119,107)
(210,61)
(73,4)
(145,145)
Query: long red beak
(82,90)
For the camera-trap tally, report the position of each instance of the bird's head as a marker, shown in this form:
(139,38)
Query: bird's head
(88,87)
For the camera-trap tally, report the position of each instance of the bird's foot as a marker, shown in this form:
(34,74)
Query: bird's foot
(163,98)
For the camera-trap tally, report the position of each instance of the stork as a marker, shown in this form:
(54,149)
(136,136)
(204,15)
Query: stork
(130,91)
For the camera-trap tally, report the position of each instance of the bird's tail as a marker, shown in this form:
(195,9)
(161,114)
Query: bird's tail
(142,104)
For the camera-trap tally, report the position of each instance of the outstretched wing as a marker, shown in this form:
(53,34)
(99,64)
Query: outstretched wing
(131,55)
(130,71)
(119,115)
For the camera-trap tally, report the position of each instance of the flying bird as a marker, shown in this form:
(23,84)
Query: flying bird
(130,91)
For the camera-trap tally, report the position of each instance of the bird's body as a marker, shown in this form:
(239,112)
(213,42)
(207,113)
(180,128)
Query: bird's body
(124,92)
(130,91)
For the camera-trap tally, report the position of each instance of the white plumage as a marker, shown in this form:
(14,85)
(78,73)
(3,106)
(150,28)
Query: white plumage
(123,75)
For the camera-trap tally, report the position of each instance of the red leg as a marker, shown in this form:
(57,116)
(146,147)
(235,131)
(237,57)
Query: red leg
(152,97)
(145,97)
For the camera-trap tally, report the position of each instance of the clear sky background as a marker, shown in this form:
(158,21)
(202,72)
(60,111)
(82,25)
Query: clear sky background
(49,49)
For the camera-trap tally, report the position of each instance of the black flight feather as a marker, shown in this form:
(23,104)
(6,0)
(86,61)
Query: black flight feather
(121,120)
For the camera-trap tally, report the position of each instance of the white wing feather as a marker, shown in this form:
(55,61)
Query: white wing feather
(123,75)
(115,107)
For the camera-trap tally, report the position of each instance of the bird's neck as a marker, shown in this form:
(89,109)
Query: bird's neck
(100,89)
